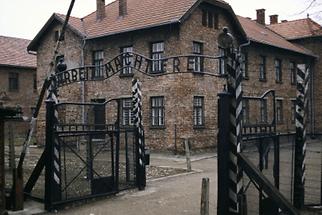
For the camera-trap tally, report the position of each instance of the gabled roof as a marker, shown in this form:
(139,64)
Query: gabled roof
(297,29)
(141,14)
(74,24)
(13,52)
(261,34)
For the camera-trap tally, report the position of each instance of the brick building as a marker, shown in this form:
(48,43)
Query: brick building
(308,34)
(18,85)
(179,105)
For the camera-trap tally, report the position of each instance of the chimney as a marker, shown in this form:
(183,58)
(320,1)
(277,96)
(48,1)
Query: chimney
(122,7)
(100,9)
(273,19)
(260,16)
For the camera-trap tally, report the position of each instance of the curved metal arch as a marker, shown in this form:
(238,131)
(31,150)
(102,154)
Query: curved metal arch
(139,63)
(265,94)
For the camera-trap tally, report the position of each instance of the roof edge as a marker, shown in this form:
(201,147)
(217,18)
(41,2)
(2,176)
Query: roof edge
(297,52)
(33,44)
(18,66)
(135,29)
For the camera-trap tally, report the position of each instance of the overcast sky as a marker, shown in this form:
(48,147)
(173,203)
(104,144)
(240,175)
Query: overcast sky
(24,18)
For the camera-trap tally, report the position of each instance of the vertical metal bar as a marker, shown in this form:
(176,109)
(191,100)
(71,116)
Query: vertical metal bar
(2,175)
(276,168)
(127,170)
(49,184)
(223,152)
(52,174)
(235,88)
(261,167)
(117,148)
(175,139)
(300,141)
(112,157)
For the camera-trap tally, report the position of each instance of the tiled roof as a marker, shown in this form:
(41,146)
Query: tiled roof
(13,52)
(141,14)
(261,34)
(297,29)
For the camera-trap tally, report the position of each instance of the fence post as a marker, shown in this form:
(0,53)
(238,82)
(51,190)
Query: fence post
(234,80)
(52,171)
(187,150)
(223,152)
(204,207)
(300,138)
(137,113)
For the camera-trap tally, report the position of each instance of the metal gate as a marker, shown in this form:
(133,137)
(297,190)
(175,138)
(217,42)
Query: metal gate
(95,159)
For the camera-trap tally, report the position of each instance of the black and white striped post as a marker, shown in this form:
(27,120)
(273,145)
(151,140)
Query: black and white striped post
(300,139)
(137,114)
(52,147)
(230,133)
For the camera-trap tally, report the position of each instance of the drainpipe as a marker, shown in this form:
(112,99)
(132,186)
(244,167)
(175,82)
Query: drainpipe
(312,121)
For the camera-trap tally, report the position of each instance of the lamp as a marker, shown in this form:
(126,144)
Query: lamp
(225,39)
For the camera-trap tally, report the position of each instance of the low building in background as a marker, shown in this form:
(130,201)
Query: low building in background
(18,78)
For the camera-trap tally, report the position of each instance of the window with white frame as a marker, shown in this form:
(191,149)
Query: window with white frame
(198,111)
(278,70)
(279,110)
(292,66)
(262,68)
(245,111)
(157,53)
(244,64)
(198,61)
(157,111)
(293,110)
(127,118)
(263,111)
(221,62)
(98,57)
(127,60)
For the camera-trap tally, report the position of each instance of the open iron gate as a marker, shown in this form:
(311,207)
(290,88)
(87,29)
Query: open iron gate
(94,159)
(83,159)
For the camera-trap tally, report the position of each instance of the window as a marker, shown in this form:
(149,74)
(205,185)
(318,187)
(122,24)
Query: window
(221,61)
(157,111)
(209,19)
(245,111)
(278,70)
(157,53)
(198,111)
(293,72)
(279,111)
(35,82)
(244,65)
(198,61)
(127,112)
(263,111)
(293,111)
(127,60)
(13,81)
(262,68)
(98,57)
(204,18)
